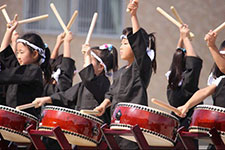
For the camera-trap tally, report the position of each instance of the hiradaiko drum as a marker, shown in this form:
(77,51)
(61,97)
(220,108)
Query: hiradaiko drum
(13,124)
(158,127)
(79,128)
(206,117)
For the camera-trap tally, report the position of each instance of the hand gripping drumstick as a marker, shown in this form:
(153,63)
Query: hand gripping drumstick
(91,29)
(33,19)
(128,10)
(219,28)
(174,11)
(25,106)
(90,112)
(161,11)
(58,17)
(166,106)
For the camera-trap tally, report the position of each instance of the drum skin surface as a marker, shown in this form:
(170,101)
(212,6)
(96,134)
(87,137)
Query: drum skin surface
(13,124)
(79,128)
(206,117)
(152,122)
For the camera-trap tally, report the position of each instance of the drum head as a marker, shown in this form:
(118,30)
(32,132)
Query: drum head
(152,138)
(14,136)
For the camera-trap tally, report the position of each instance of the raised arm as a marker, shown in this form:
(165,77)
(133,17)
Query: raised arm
(210,38)
(67,40)
(15,36)
(8,34)
(184,34)
(87,54)
(180,43)
(133,6)
(197,98)
(58,43)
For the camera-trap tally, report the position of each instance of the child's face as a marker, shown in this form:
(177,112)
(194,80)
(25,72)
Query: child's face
(24,55)
(126,52)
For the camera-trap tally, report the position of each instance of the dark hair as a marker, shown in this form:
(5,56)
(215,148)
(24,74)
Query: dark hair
(150,41)
(222,45)
(215,70)
(177,68)
(108,56)
(37,40)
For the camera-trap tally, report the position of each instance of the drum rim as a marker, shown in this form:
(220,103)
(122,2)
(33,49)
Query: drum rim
(49,107)
(145,130)
(22,113)
(204,129)
(14,131)
(211,107)
(73,133)
(154,110)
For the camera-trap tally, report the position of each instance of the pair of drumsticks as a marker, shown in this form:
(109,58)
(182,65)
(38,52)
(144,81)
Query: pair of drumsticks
(180,22)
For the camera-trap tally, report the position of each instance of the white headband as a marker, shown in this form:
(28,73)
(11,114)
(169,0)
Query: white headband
(123,37)
(100,60)
(40,50)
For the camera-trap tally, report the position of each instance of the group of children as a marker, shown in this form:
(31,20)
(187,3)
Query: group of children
(29,73)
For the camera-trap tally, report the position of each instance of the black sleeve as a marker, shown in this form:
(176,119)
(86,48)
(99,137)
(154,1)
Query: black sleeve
(21,75)
(98,86)
(8,58)
(65,78)
(139,46)
(192,73)
(67,98)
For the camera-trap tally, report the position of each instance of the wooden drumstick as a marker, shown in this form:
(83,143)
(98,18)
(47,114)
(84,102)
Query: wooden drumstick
(166,106)
(91,29)
(25,106)
(72,19)
(5,14)
(90,112)
(219,28)
(3,6)
(58,17)
(161,11)
(33,19)
(174,11)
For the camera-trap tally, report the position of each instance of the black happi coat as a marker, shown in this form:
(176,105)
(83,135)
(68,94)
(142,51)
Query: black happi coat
(67,68)
(219,95)
(130,83)
(24,82)
(87,94)
(182,94)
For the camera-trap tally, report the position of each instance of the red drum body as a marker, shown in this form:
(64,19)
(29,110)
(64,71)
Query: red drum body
(79,128)
(206,117)
(13,124)
(158,127)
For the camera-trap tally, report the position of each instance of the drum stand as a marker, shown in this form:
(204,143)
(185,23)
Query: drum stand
(186,138)
(35,136)
(7,145)
(135,131)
